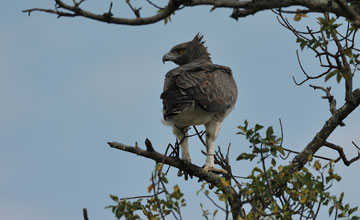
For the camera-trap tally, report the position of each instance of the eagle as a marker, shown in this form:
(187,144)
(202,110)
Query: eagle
(197,92)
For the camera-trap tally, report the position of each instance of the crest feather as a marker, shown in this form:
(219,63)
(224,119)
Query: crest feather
(198,38)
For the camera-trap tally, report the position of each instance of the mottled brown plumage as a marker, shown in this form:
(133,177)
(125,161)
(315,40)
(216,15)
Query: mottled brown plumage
(197,92)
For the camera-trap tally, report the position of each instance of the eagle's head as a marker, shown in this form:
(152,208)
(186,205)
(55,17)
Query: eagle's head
(188,52)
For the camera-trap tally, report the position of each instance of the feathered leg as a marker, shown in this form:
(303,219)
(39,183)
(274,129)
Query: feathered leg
(212,131)
(181,135)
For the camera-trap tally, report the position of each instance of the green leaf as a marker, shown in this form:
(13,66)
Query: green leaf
(257,169)
(302,44)
(331,74)
(341,197)
(273,162)
(158,166)
(351,211)
(331,209)
(338,77)
(258,127)
(269,132)
(245,156)
(115,198)
(348,52)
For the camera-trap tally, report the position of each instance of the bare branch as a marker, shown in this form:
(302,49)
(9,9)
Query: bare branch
(214,203)
(355,145)
(50,11)
(141,197)
(341,153)
(296,152)
(75,10)
(153,4)
(308,77)
(136,11)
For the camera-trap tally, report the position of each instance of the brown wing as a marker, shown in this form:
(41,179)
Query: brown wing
(208,86)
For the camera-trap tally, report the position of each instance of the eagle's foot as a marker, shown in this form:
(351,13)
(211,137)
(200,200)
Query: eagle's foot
(185,171)
(214,170)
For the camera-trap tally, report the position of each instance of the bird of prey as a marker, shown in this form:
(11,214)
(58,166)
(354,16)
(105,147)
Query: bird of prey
(197,92)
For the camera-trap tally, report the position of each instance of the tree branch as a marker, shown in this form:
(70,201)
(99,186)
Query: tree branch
(341,153)
(174,162)
(240,9)
(318,141)
(351,13)
(330,98)
(171,7)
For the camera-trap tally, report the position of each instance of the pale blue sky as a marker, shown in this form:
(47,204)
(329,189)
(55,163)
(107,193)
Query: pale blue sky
(69,85)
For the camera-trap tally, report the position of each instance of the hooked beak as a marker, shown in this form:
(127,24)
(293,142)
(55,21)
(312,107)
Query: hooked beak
(167,57)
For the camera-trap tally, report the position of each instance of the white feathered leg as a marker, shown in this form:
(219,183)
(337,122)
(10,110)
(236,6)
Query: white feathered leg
(212,131)
(179,133)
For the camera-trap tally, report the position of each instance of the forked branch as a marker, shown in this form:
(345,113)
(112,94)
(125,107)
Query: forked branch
(342,156)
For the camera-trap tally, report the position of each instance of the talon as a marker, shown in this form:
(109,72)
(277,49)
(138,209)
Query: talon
(180,173)
(214,170)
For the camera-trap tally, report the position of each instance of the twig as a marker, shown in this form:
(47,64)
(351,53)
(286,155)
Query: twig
(153,4)
(315,156)
(109,13)
(330,98)
(149,146)
(156,197)
(199,134)
(135,10)
(355,145)
(141,197)
(214,203)
(85,214)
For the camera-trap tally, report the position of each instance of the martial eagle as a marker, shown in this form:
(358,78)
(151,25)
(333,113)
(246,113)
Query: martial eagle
(197,92)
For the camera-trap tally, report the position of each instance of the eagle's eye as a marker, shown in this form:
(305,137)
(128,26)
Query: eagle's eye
(180,51)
